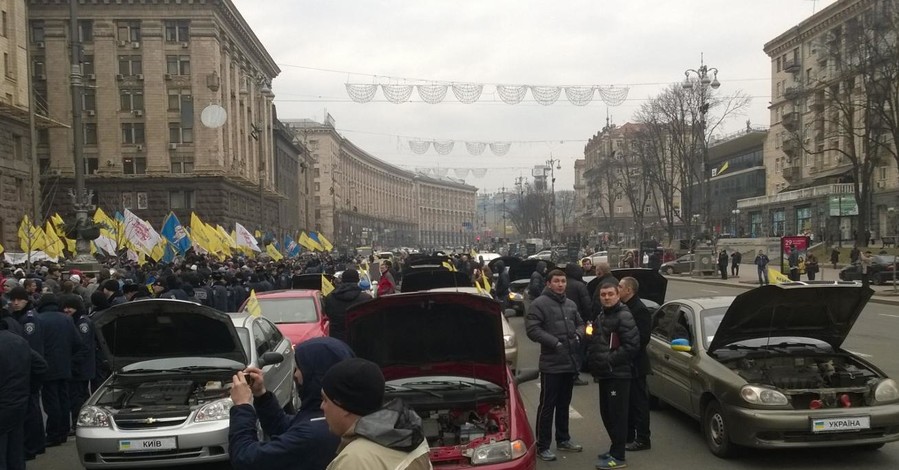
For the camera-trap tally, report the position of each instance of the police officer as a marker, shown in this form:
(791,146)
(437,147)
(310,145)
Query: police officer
(86,369)
(221,296)
(19,365)
(21,309)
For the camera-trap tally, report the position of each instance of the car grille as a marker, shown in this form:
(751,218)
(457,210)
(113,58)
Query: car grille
(148,422)
(155,456)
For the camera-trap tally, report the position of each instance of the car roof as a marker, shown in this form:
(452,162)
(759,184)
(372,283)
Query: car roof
(286,294)
(239,319)
(706,303)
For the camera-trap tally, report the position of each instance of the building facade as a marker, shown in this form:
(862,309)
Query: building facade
(361,200)
(149,70)
(810,180)
(293,166)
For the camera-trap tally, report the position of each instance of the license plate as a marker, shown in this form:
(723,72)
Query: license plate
(148,445)
(855,423)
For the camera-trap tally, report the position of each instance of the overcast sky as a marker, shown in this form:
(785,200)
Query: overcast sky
(641,44)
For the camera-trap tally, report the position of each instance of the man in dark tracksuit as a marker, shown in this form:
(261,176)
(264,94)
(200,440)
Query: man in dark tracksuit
(613,347)
(638,415)
(62,348)
(19,365)
(554,322)
(84,370)
(21,308)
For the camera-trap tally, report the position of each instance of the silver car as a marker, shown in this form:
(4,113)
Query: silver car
(168,401)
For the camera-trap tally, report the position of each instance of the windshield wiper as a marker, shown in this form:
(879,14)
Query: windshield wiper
(190,368)
(143,371)
(418,387)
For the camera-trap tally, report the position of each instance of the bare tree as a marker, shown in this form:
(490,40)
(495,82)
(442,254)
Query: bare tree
(564,208)
(530,216)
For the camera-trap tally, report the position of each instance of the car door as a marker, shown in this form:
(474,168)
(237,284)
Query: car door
(680,362)
(659,382)
(275,375)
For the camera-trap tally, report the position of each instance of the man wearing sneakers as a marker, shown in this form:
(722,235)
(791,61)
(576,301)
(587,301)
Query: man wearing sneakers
(554,322)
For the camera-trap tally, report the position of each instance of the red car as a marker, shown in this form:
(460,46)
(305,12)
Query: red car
(297,313)
(443,354)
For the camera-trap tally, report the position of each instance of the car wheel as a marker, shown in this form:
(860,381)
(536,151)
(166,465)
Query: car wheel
(716,432)
(669,270)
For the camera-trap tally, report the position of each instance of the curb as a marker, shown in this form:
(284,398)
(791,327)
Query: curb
(878,299)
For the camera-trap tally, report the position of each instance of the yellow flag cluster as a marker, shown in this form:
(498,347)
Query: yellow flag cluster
(253,307)
(777,277)
(327,286)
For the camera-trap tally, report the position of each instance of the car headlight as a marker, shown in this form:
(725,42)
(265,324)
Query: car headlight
(515,296)
(501,451)
(219,409)
(93,417)
(886,391)
(762,396)
(509,341)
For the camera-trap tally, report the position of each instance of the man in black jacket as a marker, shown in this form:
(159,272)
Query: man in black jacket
(346,293)
(576,291)
(538,282)
(638,414)
(554,322)
(613,347)
(19,365)
(502,284)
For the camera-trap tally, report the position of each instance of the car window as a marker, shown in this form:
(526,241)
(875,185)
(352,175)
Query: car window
(272,335)
(683,326)
(711,318)
(244,336)
(296,310)
(662,320)
(260,339)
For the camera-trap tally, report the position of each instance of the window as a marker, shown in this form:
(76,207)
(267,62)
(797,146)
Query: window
(91,166)
(87,65)
(90,133)
(37,66)
(132,99)
(777,223)
(133,133)
(6,68)
(755,224)
(128,200)
(129,31)
(44,166)
(179,99)
(177,64)
(142,201)
(804,220)
(43,136)
(86,30)
(181,199)
(37,31)
(259,338)
(182,164)
(89,100)
(133,165)
(20,190)
(130,65)
(180,135)
(18,147)
(3,23)
(177,31)
(778,64)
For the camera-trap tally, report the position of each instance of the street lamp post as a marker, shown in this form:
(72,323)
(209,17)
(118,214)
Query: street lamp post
(554,164)
(705,77)
(735,220)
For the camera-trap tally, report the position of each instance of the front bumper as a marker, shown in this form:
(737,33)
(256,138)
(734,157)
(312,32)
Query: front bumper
(196,443)
(792,428)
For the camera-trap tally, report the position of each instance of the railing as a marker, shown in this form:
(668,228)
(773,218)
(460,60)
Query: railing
(799,194)
(717,139)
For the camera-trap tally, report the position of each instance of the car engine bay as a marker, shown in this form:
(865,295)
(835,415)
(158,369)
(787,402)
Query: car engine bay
(164,394)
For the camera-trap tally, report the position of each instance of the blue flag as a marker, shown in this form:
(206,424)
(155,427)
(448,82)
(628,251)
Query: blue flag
(291,247)
(168,255)
(175,233)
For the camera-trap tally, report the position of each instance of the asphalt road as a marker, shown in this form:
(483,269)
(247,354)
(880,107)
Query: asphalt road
(677,441)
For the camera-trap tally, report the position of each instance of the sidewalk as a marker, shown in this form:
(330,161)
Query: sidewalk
(749,279)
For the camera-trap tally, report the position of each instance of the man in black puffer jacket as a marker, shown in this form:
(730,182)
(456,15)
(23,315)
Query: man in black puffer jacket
(346,294)
(554,322)
(613,348)
(638,416)
(576,291)
(502,283)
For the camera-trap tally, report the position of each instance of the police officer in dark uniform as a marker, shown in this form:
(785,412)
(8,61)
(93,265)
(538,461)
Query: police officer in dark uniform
(19,366)
(173,289)
(62,348)
(238,293)
(21,309)
(86,369)
(221,296)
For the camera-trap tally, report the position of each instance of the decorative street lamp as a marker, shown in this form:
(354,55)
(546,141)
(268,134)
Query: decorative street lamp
(735,220)
(554,164)
(705,78)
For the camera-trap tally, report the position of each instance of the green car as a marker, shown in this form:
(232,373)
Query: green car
(765,369)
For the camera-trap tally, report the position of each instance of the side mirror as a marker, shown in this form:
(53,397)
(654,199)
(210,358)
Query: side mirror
(526,375)
(270,358)
(681,344)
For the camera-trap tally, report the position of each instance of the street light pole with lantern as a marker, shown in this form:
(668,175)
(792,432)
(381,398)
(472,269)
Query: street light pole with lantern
(735,221)
(554,164)
(700,80)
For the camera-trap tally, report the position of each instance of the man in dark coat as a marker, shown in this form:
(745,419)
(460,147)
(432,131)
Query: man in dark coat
(538,281)
(113,292)
(502,283)
(171,289)
(613,347)
(21,308)
(638,414)
(576,291)
(347,293)
(84,370)
(62,348)
(722,264)
(604,276)
(301,441)
(553,321)
(19,365)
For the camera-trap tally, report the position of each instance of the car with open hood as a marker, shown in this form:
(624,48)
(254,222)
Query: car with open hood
(167,401)
(443,354)
(652,286)
(519,277)
(766,369)
(298,313)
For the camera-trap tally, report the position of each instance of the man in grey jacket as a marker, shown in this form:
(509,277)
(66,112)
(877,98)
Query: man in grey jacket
(554,322)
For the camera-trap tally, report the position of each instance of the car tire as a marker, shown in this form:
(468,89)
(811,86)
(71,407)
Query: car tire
(716,432)
(669,270)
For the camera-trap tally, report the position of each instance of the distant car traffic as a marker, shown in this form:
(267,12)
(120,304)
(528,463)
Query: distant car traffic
(297,312)
(880,272)
(679,266)
(545,255)
(168,401)
(766,369)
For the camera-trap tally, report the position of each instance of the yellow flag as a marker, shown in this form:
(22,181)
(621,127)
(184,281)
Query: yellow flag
(273,252)
(1,248)
(324,242)
(486,282)
(327,287)
(54,245)
(253,307)
(31,238)
(448,265)
(158,250)
(777,277)
(199,235)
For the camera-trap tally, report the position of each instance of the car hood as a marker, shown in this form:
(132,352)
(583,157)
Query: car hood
(524,269)
(823,312)
(162,328)
(419,280)
(429,333)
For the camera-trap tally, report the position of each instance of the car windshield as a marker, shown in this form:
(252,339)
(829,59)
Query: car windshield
(711,319)
(244,335)
(296,310)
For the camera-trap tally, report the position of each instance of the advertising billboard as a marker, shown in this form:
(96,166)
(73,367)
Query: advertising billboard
(787,244)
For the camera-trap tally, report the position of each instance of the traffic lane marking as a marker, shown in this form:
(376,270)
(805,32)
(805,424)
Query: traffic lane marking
(572,413)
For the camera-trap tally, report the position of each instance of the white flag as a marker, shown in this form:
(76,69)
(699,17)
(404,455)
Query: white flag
(140,233)
(245,238)
(106,244)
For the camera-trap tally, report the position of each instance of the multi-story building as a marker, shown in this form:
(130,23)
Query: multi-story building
(810,180)
(293,165)
(149,70)
(360,200)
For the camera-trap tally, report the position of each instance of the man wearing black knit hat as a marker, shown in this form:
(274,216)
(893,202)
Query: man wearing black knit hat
(346,294)
(373,437)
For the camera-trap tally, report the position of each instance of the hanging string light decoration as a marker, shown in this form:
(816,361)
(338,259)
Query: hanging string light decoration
(613,96)
(361,92)
(479,172)
(419,147)
(441,171)
(475,148)
(500,148)
(461,172)
(511,94)
(579,95)
(546,95)
(432,94)
(397,94)
(467,92)
(444,147)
